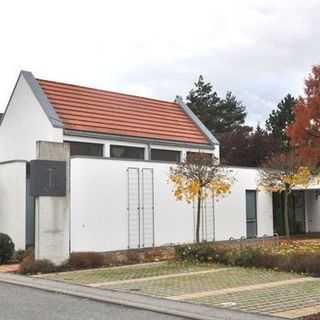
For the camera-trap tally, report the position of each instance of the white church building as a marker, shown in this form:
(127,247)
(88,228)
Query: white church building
(83,169)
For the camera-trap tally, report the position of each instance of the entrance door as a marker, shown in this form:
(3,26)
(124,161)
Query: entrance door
(296,212)
(298,222)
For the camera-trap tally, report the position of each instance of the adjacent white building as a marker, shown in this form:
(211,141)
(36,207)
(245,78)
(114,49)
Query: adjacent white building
(118,149)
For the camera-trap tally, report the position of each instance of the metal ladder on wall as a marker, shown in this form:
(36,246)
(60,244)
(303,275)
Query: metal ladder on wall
(140,207)
(207,220)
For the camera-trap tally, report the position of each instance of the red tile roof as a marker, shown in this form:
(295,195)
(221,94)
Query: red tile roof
(99,111)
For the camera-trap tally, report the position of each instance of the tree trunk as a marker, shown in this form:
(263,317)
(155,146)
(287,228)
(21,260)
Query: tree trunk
(198,218)
(286,212)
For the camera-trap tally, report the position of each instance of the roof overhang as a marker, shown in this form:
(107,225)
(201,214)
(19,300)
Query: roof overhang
(212,139)
(42,99)
(84,134)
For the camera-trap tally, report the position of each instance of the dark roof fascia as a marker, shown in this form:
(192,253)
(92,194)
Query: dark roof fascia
(85,134)
(212,139)
(42,99)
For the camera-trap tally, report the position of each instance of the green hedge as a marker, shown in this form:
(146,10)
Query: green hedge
(6,248)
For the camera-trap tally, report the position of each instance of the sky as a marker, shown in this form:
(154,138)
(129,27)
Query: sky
(258,49)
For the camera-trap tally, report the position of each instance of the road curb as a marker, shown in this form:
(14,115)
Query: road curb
(164,306)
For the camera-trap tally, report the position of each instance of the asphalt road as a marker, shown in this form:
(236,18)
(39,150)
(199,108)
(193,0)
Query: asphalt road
(21,303)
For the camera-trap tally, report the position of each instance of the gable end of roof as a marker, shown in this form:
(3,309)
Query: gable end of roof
(212,139)
(42,99)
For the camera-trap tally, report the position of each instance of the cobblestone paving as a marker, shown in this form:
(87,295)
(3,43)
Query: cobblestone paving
(129,272)
(269,301)
(284,299)
(195,283)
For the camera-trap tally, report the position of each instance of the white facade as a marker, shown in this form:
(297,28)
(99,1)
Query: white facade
(231,210)
(24,123)
(99,206)
(13,201)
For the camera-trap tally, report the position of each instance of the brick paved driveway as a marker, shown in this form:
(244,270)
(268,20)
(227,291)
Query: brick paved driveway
(262,291)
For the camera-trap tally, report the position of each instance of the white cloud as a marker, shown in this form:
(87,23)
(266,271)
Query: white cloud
(260,49)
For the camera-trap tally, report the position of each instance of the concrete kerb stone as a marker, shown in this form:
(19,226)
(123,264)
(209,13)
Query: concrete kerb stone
(174,308)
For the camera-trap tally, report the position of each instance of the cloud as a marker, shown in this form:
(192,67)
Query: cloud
(260,50)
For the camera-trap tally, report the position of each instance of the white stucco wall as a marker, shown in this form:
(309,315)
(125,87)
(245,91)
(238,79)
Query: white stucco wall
(25,123)
(13,201)
(231,209)
(99,206)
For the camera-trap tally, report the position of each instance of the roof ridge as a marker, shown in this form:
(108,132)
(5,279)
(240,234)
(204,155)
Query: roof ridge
(106,91)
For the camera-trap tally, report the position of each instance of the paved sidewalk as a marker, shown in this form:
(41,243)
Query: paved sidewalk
(175,308)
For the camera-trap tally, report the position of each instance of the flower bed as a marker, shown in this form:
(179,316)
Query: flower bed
(293,256)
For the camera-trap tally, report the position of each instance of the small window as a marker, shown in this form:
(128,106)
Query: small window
(86,149)
(126,152)
(165,155)
(251,212)
(190,154)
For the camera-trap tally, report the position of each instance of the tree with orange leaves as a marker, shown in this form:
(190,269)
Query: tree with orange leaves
(305,131)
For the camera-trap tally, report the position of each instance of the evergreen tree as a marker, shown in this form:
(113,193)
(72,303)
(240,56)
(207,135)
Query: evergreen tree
(218,115)
(261,146)
(280,119)
(229,114)
(201,100)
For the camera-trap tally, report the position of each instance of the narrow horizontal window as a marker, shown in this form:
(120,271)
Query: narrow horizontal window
(126,152)
(165,155)
(190,154)
(86,149)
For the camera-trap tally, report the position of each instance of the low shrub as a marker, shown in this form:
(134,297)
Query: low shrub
(19,255)
(30,266)
(85,260)
(260,257)
(6,248)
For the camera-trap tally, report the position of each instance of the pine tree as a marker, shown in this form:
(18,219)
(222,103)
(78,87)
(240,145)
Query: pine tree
(218,115)
(280,119)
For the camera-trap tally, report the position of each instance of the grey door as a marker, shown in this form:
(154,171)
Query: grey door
(30,212)
(251,213)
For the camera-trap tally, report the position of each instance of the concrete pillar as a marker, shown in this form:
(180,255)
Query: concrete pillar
(52,214)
